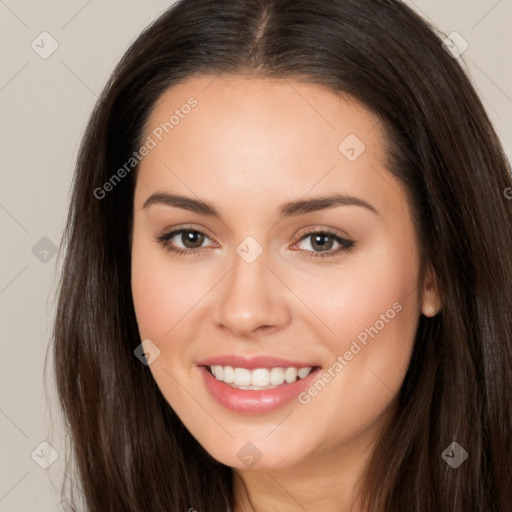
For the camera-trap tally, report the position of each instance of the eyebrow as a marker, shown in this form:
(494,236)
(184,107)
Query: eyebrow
(289,209)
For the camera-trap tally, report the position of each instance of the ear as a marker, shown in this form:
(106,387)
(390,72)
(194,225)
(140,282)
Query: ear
(431,301)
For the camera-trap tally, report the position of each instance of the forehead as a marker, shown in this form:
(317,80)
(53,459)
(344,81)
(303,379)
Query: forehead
(263,136)
(278,107)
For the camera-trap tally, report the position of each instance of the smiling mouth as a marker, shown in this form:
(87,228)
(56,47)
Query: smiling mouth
(258,378)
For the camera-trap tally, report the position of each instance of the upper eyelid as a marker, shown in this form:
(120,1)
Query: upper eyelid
(330,231)
(305,230)
(178,229)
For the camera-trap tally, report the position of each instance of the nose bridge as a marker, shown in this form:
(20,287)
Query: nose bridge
(248,299)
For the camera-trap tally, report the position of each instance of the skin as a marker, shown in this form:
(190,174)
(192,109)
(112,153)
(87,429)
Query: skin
(247,147)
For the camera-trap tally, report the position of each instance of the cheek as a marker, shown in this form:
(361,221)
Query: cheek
(151,297)
(352,295)
(370,305)
(163,291)
(165,295)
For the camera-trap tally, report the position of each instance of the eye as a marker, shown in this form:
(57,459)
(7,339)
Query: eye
(321,244)
(191,240)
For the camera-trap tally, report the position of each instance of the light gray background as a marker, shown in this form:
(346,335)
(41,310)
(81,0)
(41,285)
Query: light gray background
(44,105)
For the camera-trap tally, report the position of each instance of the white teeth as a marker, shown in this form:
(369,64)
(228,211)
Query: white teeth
(254,387)
(242,377)
(290,374)
(276,376)
(304,372)
(229,375)
(218,371)
(259,378)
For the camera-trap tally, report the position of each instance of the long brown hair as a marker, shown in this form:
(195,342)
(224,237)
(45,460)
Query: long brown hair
(131,451)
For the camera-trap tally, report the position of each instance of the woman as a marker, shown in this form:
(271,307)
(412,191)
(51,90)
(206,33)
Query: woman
(288,282)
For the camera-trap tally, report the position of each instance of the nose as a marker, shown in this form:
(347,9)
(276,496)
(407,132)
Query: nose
(251,300)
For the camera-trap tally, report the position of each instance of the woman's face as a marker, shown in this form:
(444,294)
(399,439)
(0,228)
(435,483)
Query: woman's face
(256,293)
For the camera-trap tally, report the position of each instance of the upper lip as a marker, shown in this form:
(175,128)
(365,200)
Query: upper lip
(252,362)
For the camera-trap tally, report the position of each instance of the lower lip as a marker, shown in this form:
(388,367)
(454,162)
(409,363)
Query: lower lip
(251,400)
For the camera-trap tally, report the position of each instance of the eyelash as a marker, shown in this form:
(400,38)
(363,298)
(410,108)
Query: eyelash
(345,244)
